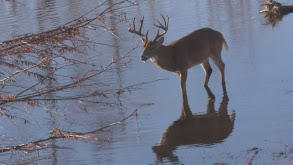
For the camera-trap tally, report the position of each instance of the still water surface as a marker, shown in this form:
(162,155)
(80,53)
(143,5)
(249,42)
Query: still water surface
(259,82)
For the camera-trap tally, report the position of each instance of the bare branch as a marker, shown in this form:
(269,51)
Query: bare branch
(23,70)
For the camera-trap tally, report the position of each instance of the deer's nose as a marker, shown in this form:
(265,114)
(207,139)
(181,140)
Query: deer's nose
(142,58)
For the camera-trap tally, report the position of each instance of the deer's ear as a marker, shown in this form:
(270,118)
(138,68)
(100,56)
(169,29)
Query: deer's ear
(160,41)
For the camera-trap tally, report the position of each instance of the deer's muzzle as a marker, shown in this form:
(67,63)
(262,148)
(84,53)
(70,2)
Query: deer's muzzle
(142,58)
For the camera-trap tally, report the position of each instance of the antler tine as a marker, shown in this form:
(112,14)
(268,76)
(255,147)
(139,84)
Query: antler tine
(146,36)
(141,23)
(133,24)
(139,31)
(166,23)
(164,27)
(161,26)
(168,20)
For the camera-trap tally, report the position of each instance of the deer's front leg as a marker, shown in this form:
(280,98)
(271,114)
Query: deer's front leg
(183,77)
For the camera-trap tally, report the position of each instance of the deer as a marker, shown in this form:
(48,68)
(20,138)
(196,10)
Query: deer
(182,54)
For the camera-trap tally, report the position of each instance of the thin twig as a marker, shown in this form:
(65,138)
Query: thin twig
(23,70)
(138,138)
(122,120)
(252,157)
(38,158)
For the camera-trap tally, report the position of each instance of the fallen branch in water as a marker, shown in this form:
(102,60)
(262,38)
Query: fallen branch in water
(274,11)
(253,155)
(67,135)
(273,7)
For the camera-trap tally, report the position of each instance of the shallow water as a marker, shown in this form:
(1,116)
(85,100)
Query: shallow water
(258,79)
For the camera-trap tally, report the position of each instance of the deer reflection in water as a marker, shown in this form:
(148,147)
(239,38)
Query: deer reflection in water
(202,129)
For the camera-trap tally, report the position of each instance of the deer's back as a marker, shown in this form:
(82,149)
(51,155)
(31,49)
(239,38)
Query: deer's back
(197,46)
(198,37)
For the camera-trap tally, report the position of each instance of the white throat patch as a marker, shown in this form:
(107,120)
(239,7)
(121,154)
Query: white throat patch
(155,58)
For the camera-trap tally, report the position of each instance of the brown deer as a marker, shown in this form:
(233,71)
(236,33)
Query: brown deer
(184,53)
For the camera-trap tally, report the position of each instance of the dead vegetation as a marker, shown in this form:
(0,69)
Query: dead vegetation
(32,74)
(274,11)
(39,57)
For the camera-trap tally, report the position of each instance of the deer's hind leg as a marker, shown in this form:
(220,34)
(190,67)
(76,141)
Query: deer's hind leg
(208,71)
(216,57)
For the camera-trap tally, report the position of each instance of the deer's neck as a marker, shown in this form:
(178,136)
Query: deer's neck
(165,58)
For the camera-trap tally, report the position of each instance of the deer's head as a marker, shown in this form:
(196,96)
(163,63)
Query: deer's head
(150,48)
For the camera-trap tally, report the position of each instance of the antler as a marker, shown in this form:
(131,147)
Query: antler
(145,37)
(164,27)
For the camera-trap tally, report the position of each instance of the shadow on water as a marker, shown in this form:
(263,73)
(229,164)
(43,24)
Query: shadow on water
(196,129)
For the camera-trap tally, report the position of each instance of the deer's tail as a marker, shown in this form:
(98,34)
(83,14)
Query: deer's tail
(225,44)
